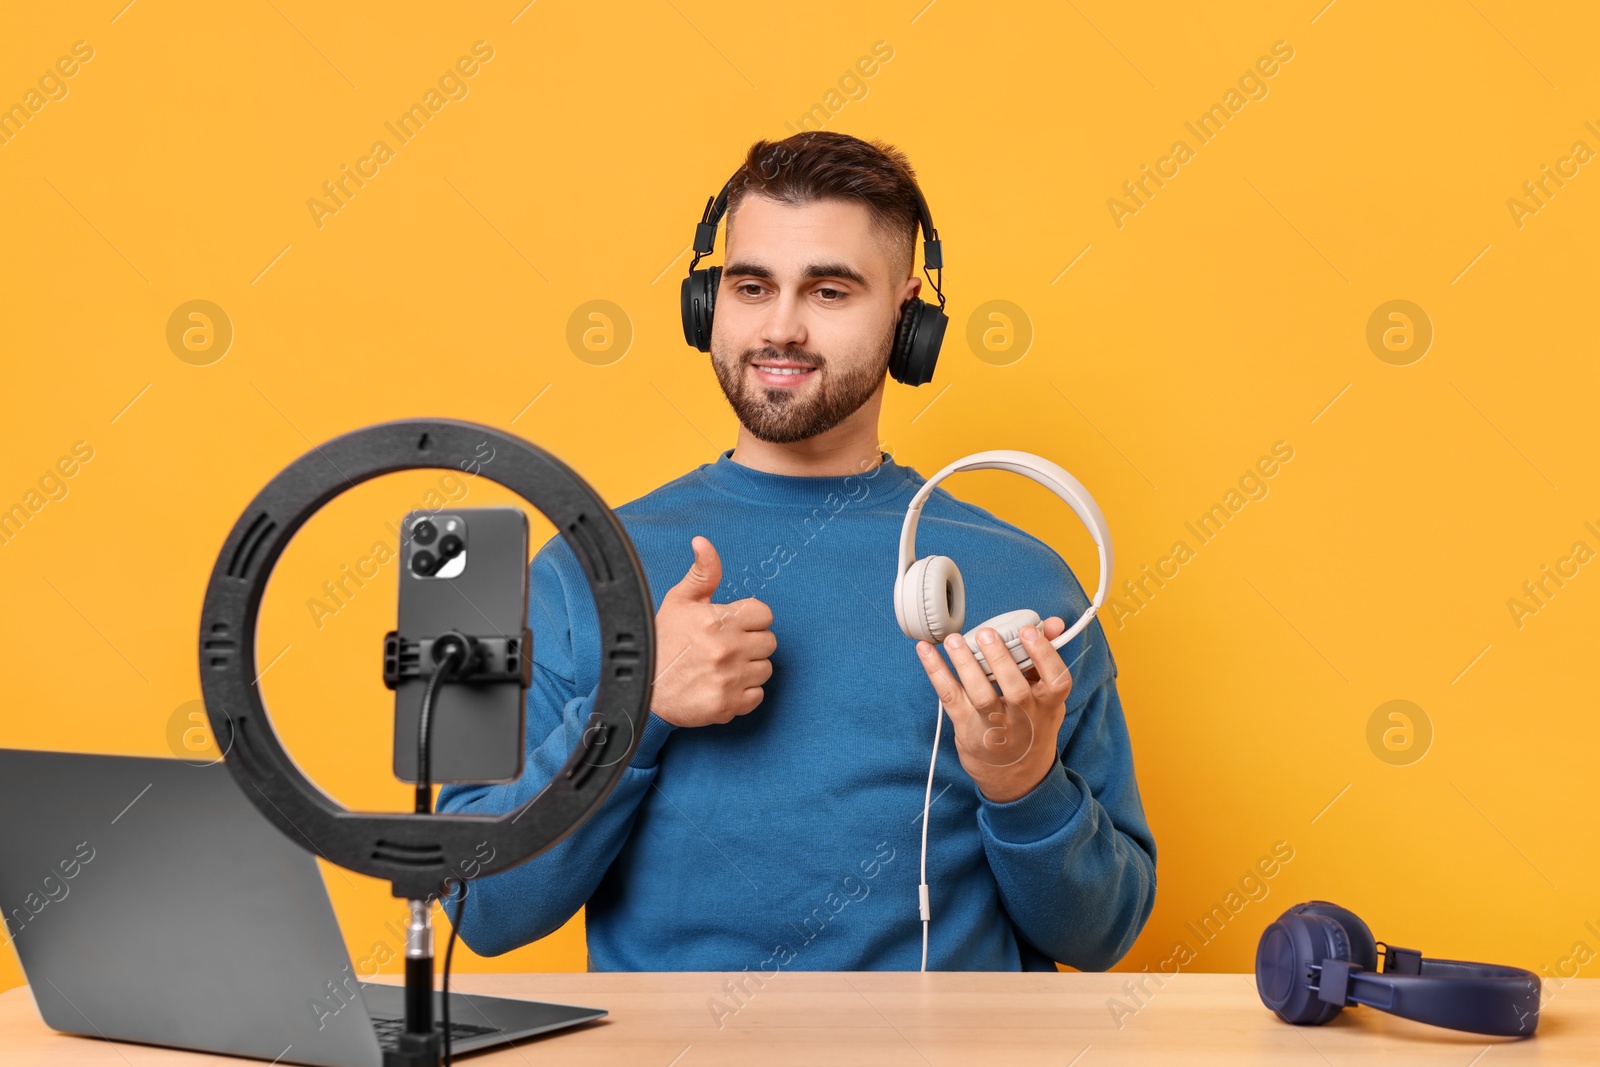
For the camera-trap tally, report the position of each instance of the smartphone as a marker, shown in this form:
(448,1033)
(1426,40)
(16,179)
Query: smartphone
(463,570)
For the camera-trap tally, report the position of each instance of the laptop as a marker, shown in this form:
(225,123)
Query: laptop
(149,901)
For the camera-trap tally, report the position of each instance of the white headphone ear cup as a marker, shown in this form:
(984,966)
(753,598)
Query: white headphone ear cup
(934,598)
(1009,628)
(908,605)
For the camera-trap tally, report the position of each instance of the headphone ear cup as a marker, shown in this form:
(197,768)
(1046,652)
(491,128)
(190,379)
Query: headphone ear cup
(1363,947)
(697,299)
(933,600)
(903,329)
(918,337)
(1284,957)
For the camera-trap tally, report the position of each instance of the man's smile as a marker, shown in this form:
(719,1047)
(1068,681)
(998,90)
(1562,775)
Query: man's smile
(783,374)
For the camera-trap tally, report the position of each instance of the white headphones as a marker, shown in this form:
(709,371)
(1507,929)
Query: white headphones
(930,601)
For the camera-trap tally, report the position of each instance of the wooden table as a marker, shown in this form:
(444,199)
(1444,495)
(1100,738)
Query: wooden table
(890,1019)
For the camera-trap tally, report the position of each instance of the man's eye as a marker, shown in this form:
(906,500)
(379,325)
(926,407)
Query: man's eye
(747,286)
(830,300)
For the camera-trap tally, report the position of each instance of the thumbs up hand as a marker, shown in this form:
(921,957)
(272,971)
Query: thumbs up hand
(713,658)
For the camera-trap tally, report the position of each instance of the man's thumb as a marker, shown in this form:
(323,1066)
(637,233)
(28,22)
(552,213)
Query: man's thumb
(704,575)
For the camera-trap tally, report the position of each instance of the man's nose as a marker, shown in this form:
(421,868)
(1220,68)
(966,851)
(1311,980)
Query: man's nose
(785,323)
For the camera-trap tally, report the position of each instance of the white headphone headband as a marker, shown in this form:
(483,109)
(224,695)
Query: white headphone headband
(1050,476)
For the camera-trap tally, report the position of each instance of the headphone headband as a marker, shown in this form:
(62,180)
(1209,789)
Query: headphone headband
(1047,474)
(1483,998)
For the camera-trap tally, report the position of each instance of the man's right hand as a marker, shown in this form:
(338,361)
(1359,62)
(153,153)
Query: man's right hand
(714,657)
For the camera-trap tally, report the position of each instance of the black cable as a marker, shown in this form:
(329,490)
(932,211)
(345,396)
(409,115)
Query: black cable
(456,653)
(455,656)
(449,951)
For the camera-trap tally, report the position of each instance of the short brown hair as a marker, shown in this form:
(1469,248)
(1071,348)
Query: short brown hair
(825,164)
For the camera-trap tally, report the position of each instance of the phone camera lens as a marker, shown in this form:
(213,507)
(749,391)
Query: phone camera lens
(450,545)
(424,532)
(422,563)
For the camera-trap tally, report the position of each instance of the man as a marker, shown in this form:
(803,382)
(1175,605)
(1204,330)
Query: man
(771,815)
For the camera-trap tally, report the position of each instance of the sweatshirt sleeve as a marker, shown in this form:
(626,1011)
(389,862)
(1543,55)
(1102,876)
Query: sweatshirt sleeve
(1074,858)
(512,908)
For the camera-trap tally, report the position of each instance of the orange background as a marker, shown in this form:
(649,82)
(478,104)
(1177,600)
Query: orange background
(1156,353)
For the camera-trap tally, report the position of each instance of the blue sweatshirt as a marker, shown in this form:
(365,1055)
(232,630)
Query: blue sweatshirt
(790,837)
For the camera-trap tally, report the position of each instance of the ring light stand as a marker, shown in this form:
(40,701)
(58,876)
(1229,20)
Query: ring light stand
(417,853)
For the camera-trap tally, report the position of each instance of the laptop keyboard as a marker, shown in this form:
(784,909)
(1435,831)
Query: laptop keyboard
(390,1029)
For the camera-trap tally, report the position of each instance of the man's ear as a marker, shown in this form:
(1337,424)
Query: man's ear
(911,287)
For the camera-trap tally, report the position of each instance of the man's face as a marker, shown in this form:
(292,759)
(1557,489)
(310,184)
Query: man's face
(812,288)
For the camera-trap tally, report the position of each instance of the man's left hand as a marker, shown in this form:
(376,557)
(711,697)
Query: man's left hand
(1006,740)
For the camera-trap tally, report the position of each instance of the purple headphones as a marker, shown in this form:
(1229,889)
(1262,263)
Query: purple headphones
(1317,958)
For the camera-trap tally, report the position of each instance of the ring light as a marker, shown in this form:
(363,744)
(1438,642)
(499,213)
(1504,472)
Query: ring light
(417,852)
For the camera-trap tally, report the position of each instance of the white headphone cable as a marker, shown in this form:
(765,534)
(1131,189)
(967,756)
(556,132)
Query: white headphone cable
(927,804)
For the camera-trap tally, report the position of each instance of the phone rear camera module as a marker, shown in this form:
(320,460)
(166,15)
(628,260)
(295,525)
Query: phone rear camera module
(445,536)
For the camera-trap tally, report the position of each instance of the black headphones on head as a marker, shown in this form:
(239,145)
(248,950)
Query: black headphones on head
(921,327)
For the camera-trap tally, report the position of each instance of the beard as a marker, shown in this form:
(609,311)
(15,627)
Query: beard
(785,415)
